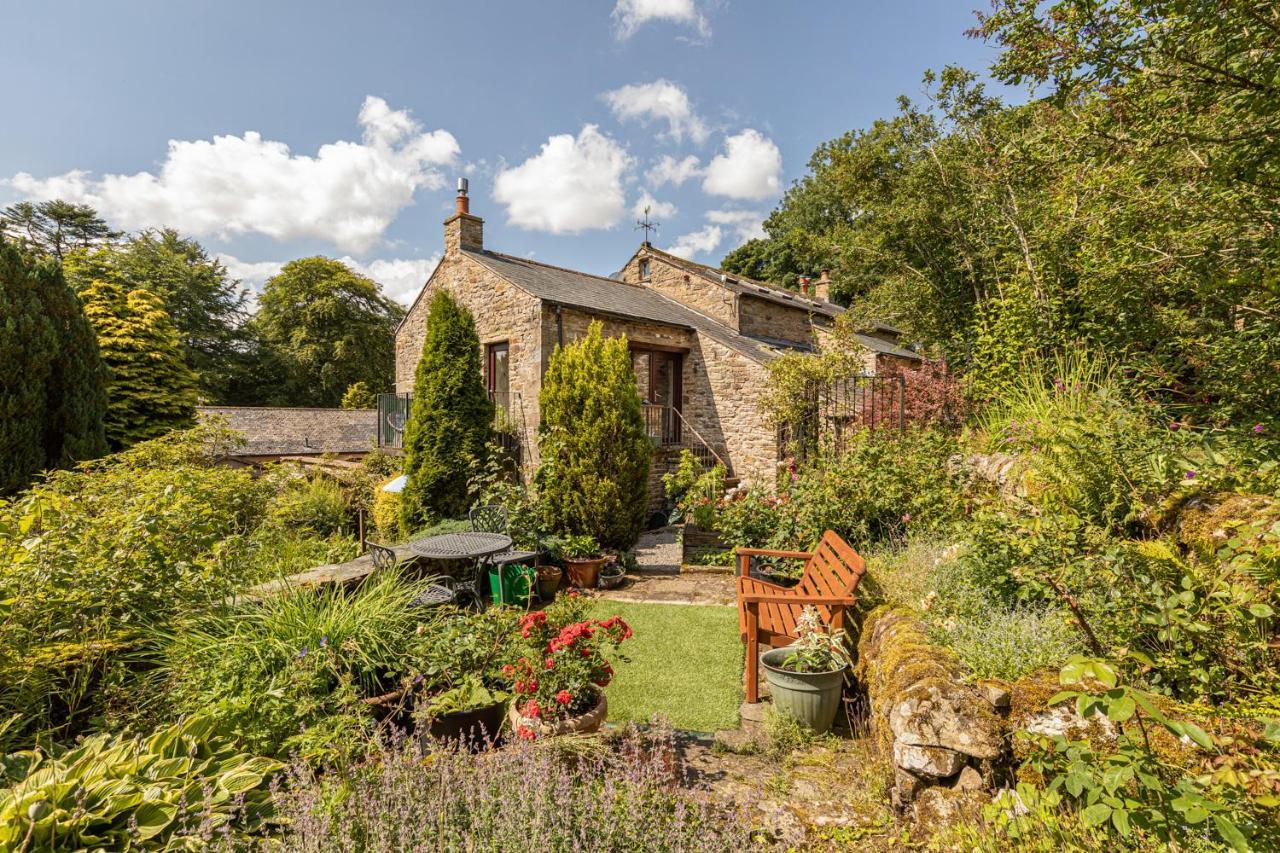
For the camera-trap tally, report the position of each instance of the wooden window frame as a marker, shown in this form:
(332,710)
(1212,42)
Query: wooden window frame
(489,360)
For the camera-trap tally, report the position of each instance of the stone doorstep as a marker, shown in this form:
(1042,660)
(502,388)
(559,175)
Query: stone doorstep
(696,569)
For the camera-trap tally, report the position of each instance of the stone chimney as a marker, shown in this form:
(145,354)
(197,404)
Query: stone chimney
(462,230)
(804,286)
(822,291)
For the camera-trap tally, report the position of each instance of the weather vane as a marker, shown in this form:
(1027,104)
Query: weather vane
(646,224)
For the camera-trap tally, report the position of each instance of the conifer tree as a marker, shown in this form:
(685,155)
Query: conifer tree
(450,421)
(77,393)
(27,344)
(150,389)
(593,476)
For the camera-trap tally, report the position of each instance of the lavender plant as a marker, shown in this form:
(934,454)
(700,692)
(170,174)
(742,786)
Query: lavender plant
(529,797)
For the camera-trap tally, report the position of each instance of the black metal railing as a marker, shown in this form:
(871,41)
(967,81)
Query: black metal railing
(393,414)
(667,427)
(832,411)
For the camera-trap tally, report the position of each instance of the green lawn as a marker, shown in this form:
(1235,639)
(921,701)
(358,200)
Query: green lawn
(686,664)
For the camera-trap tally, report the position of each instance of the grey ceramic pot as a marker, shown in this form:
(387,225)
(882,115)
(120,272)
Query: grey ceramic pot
(812,698)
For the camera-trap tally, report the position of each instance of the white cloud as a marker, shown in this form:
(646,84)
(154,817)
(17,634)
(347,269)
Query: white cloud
(347,193)
(400,278)
(746,224)
(671,170)
(656,208)
(701,241)
(630,15)
(660,100)
(751,167)
(571,185)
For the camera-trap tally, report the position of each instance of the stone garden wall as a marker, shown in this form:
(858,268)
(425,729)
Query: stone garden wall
(941,732)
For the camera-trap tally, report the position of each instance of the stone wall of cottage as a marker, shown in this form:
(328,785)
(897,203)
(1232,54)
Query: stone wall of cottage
(709,298)
(762,318)
(503,313)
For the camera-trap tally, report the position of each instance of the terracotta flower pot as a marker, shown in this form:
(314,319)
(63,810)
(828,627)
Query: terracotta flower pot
(549,581)
(584,574)
(581,725)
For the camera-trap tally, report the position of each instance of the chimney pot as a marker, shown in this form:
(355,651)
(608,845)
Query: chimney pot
(462,230)
(822,291)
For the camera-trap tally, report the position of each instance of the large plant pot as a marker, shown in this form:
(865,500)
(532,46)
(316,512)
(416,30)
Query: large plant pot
(582,725)
(584,574)
(811,698)
(478,728)
(612,580)
(549,578)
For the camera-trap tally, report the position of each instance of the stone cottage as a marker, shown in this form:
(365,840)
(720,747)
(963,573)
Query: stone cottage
(700,340)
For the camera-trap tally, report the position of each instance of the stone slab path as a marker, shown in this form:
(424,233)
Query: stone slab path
(658,579)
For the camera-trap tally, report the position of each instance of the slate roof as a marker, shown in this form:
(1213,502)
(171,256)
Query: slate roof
(280,431)
(595,293)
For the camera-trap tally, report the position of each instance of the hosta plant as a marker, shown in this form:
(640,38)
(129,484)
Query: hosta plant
(817,649)
(173,790)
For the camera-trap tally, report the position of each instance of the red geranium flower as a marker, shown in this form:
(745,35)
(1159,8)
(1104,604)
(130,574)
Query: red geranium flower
(526,733)
(532,709)
(550,663)
(564,697)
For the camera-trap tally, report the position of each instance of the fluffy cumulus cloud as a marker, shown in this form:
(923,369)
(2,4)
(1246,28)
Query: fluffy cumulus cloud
(400,278)
(661,101)
(746,224)
(655,208)
(631,15)
(573,183)
(749,168)
(347,193)
(702,241)
(673,171)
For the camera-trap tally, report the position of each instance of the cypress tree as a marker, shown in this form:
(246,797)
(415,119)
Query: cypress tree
(593,476)
(77,393)
(28,342)
(150,389)
(450,421)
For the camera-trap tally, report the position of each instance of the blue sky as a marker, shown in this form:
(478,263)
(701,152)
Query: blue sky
(275,130)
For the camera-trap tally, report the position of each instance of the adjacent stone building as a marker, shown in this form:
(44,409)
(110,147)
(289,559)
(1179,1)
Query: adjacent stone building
(700,340)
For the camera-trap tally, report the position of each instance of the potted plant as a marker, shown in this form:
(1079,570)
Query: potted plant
(559,681)
(549,581)
(806,677)
(582,559)
(614,571)
(470,713)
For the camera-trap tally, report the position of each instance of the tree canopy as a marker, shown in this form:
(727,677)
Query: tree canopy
(327,328)
(54,227)
(1130,208)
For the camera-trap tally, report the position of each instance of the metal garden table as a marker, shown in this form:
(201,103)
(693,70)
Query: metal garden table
(463,546)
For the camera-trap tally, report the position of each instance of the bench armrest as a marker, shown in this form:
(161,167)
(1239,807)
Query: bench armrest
(783,598)
(744,556)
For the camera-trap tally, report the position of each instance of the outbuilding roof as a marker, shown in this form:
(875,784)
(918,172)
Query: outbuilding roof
(286,431)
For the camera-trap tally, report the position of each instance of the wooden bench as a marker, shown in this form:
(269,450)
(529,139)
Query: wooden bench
(767,612)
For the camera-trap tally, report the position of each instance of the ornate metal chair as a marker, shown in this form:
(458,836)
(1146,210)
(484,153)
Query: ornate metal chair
(443,590)
(493,519)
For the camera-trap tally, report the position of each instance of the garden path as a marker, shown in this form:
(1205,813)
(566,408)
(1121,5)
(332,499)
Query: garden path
(658,578)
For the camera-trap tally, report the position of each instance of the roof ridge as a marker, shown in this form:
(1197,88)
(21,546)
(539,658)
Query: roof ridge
(714,272)
(557,267)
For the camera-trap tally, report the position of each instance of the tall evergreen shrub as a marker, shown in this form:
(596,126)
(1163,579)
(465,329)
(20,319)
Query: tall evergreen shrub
(52,398)
(450,421)
(151,389)
(595,454)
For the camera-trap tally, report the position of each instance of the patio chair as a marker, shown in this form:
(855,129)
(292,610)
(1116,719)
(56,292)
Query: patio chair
(493,519)
(443,590)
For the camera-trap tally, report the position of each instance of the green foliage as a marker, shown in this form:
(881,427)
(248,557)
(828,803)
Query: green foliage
(203,302)
(816,649)
(91,557)
(358,396)
(325,328)
(695,489)
(450,421)
(51,394)
(288,674)
(315,505)
(595,453)
(53,228)
(179,788)
(1131,787)
(150,389)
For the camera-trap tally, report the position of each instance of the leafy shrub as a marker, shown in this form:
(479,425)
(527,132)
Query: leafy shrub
(450,421)
(386,513)
(526,797)
(883,486)
(315,504)
(91,557)
(1008,642)
(593,477)
(300,659)
(177,789)
(695,489)
(1140,790)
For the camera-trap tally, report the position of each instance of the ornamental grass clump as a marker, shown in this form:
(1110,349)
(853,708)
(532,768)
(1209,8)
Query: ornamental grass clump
(565,667)
(528,797)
